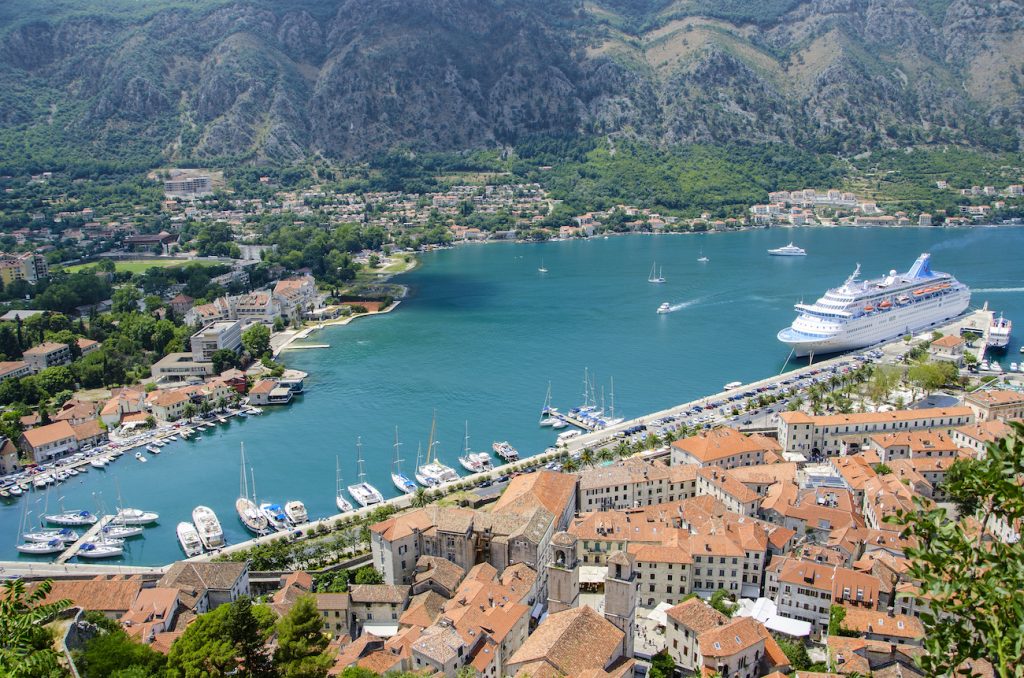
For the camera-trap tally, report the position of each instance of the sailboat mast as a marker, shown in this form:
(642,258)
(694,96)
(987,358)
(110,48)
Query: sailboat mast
(253,473)
(244,486)
(613,397)
(467,438)
(398,462)
(337,475)
(586,387)
(359,459)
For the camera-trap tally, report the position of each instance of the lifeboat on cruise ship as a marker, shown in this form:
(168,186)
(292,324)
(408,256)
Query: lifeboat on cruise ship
(869,309)
(902,299)
(918,293)
(885,305)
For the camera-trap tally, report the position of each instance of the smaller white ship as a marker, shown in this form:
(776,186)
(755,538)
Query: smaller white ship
(100,549)
(401,481)
(121,531)
(134,516)
(474,462)
(656,276)
(999,333)
(702,259)
(245,506)
(152,449)
(275,515)
(188,537)
(542,268)
(363,492)
(343,504)
(665,308)
(98,463)
(66,535)
(211,534)
(433,469)
(41,548)
(505,451)
(139,457)
(789,250)
(296,512)
(71,518)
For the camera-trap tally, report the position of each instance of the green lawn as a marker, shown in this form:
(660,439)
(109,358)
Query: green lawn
(141,265)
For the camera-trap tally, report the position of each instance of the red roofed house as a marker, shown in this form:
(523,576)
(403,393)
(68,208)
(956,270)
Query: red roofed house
(723,446)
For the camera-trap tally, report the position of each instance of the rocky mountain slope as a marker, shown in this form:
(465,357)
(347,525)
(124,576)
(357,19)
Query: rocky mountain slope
(279,81)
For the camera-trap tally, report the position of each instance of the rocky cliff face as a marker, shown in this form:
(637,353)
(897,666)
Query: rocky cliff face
(282,81)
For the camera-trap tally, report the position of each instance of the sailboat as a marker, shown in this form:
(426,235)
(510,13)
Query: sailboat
(655,278)
(32,547)
(132,516)
(474,462)
(542,268)
(702,259)
(363,492)
(401,481)
(344,505)
(432,467)
(548,414)
(72,518)
(248,511)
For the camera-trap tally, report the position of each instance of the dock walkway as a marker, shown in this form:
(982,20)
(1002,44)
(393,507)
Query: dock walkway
(90,533)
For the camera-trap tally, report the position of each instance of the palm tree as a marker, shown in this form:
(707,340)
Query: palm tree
(587,457)
(27,649)
(222,403)
(622,449)
(605,454)
(189,411)
(570,465)
(419,498)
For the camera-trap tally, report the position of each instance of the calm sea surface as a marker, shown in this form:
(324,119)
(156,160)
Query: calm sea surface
(482,334)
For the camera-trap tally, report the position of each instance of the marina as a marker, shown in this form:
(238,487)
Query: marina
(445,349)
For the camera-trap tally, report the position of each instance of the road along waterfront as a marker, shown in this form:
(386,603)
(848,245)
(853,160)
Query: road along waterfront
(483,332)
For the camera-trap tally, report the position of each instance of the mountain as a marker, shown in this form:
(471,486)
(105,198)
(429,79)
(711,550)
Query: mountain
(255,80)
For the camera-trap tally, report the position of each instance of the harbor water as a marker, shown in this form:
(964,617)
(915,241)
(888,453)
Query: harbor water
(482,334)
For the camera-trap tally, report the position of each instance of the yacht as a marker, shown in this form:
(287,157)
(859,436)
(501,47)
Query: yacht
(133,516)
(655,277)
(100,549)
(432,467)
(42,548)
(474,462)
(98,463)
(999,333)
(210,532)
(665,307)
(732,384)
(152,449)
(248,512)
(542,268)
(71,518)
(789,250)
(344,505)
(296,512)
(995,366)
(702,259)
(188,537)
(420,478)
(363,492)
(505,451)
(66,535)
(567,436)
(275,515)
(559,423)
(399,479)
(117,530)
(862,313)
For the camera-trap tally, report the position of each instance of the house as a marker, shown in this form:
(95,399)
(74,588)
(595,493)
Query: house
(996,404)
(976,436)
(87,346)
(47,354)
(89,433)
(376,607)
(125,401)
(9,456)
(75,412)
(723,446)
(153,612)
(45,443)
(557,647)
(181,304)
(438,575)
(168,405)
(111,595)
(270,392)
(913,445)
(949,347)
(806,591)
(296,295)
(205,586)
(883,626)
(175,367)
(335,610)
(685,622)
(14,369)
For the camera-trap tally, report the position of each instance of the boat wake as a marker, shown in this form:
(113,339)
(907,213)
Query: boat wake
(991,290)
(680,306)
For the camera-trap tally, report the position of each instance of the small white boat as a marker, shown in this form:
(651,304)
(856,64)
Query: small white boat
(99,462)
(159,443)
(401,481)
(995,366)
(121,531)
(363,492)
(789,250)
(41,548)
(1013,367)
(71,518)
(733,384)
(66,535)
(549,421)
(139,457)
(248,512)
(505,451)
(72,472)
(188,537)
(542,268)
(275,516)
(15,491)
(665,307)
(343,504)
(152,449)
(102,549)
(559,424)
(39,483)
(474,462)
(296,512)
(702,259)
(567,436)
(655,277)
(134,516)
(210,532)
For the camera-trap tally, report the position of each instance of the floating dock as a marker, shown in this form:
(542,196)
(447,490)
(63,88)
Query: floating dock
(90,533)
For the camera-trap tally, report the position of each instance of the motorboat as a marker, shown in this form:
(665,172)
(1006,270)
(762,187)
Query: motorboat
(567,436)
(296,512)
(66,535)
(152,449)
(134,516)
(506,451)
(101,549)
(343,504)
(188,537)
(71,518)
(210,532)
(401,481)
(42,548)
(665,308)
(789,250)
(139,457)
(363,492)
(559,423)
(275,516)
(248,511)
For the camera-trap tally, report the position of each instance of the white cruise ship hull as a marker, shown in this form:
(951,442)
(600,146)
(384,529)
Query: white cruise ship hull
(858,315)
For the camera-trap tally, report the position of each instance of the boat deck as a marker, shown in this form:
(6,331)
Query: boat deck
(70,552)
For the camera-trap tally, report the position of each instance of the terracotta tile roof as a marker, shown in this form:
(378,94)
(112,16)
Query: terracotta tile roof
(51,433)
(993,397)
(831,578)
(854,469)
(554,491)
(738,635)
(765,474)
(880,417)
(263,387)
(948,341)
(88,430)
(115,594)
(696,615)
(332,601)
(423,520)
(721,443)
(75,409)
(571,641)
(166,398)
(44,348)
(423,610)
(379,593)
(919,442)
(986,431)
(879,623)
(729,485)
(446,573)
(194,579)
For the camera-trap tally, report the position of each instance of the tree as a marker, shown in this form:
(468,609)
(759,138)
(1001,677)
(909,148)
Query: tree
(106,654)
(368,575)
(53,380)
(256,340)
(796,652)
(662,665)
(836,615)
(884,379)
(189,411)
(722,601)
(125,300)
(971,581)
(419,498)
(229,640)
(26,648)
(223,359)
(881,469)
(300,643)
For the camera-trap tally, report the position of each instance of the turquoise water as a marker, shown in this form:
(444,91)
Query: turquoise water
(482,334)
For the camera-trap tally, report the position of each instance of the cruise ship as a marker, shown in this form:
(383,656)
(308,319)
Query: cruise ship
(862,313)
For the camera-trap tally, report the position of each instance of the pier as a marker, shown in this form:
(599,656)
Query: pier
(296,347)
(90,534)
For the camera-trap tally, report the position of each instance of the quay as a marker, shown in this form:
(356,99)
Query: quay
(89,534)
(298,347)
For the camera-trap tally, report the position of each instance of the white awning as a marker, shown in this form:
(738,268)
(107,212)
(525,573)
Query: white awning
(593,574)
(658,614)
(381,630)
